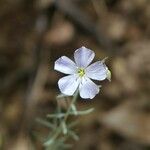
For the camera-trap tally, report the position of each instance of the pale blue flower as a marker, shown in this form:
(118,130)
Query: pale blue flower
(80,73)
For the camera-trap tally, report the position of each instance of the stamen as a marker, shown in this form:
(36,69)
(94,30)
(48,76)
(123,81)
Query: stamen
(81,72)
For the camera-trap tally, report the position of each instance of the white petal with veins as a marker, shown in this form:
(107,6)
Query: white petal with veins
(88,89)
(68,84)
(83,57)
(97,71)
(65,65)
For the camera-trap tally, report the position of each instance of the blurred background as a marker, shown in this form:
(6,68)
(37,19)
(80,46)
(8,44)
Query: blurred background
(34,33)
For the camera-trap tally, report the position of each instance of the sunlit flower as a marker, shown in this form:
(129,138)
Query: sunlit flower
(80,73)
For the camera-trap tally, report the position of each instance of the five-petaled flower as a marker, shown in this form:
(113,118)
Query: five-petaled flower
(80,73)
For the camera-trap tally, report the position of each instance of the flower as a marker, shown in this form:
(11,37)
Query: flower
(80,73)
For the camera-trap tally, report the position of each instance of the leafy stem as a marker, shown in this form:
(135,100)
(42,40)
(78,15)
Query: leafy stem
(62,127)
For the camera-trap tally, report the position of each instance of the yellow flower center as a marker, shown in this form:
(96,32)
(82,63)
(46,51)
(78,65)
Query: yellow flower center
(81,72)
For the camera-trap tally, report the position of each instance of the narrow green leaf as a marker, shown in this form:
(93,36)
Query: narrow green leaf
(64,128)
(45,123)
(72,124)
(73,135)
(74,109)
(49,142)
(60,115)
(85,112)
(61,96)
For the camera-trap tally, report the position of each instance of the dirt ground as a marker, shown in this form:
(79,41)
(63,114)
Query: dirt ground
(34,33)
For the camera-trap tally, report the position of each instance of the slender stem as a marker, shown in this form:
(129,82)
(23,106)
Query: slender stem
(59,129)
(72,102)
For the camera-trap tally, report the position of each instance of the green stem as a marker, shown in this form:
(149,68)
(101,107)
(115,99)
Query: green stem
(59,129)
(72,102)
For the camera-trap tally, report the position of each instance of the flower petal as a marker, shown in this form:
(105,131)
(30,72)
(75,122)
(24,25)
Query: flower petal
(65,65)
(97,71)
(83,56)
(68,84)
(88,89)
